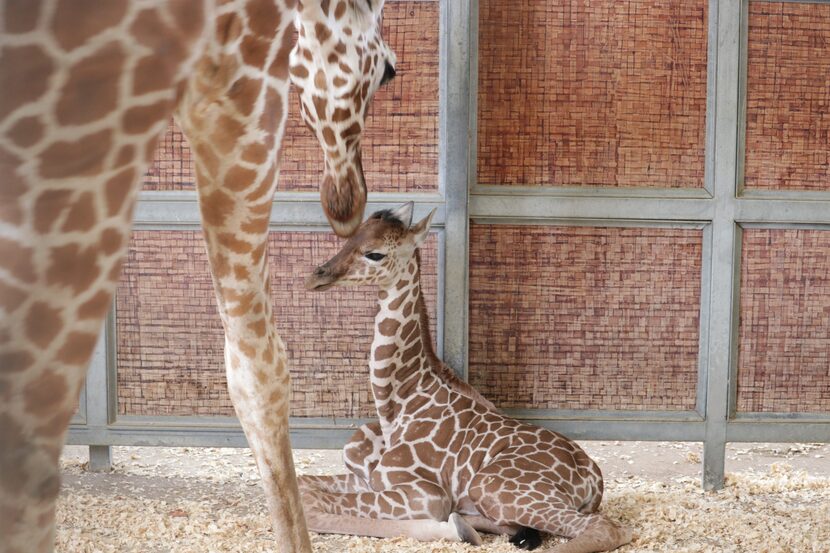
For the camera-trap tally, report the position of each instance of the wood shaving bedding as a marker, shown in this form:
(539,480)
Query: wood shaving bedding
(779,510)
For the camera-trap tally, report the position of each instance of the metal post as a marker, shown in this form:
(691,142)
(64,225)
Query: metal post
(725,237)
(97,399)
(456,160)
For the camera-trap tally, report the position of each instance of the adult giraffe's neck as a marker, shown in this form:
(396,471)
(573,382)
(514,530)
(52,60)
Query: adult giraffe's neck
(403,363)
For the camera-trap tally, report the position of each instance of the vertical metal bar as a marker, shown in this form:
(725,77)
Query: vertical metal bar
(722,318)
(97,397)
(455,170)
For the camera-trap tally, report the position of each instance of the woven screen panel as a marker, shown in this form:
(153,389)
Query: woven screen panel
(585,318)
(400,142)
(592,92)
(788,96)
(784,353)
(170,339)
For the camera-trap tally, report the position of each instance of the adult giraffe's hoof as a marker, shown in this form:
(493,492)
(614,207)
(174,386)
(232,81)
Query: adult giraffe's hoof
(527,538)
(466,533)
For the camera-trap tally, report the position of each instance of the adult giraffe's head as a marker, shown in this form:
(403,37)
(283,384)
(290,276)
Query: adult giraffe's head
(339,62)
(380,252)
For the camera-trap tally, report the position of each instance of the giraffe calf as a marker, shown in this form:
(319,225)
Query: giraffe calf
(442,461)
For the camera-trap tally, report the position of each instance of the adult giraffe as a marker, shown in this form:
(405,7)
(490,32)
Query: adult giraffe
(86,89)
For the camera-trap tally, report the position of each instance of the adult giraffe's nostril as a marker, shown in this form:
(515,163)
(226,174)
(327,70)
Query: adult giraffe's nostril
(388,73)
(319,271)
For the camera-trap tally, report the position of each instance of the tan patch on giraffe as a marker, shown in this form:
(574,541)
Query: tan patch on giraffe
(110,240)
(263,17)
(240,272)
(254,51)
(206,157)
(328,136)
(385,352)
(256,225)
(95,76)
(226,134)
(239,178)
(82,214)
(215,207)
(320,105)
(244,93)
(279,67)
(77,348)
(24,76)
(83,157)
(299,71)
(117,189)
(140,119)
(11,298)
(17,260)
(55,426)
(255,153)
(42,324)
(339,81)
(26,132)
(266,186)
(268,354)
(44,394)
(72,25)
(395,305)
(96,307)
(20,15)
(388,327)
(16,361)
(189,16)
(341,114)
(322,32)
(13,455)
(272,114)
(320,80)
(228,28)
(125,155)
(246,349)
(258,327)
(220,266)
(340,10)
(73,267)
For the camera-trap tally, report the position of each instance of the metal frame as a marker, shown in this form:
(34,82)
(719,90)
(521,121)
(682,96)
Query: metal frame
(721,209)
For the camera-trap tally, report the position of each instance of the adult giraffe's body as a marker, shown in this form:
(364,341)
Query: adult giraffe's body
(440,450)
(86,87)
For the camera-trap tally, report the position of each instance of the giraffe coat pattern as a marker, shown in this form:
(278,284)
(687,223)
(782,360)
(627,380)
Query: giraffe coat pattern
(88,87)
(441,453)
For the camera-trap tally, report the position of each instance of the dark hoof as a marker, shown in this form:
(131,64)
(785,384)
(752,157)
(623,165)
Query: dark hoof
(527,538)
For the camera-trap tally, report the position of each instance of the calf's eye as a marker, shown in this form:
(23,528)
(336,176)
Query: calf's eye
(375,256)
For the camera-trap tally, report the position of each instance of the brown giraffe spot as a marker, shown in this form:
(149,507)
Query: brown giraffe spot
(320,105)
(42,324)
(55,426)
(388,327)
(44,394)
(255,153)
(72,267)
(189,16)
(17,260)
(279,67)
(320,80)
(82,215)
(228,28)
(263,17)
(266,186)
(339,81)
(151,74)
(258,327)
(13,455)
(226,134)
(24,76)
(328,136)
(341,114)
(72,25)
(21,15)
(83,157)
(258,253)
(118,189)
(340,10)
(140,119)
(352,130)
(125,156)
(205,155)
(299,71)
(96,307)
(256,225)
(215,207)
(325,5)
(220,266)
(110,240)
(246,349)
(77,348)
(239,178)
(323,33)
(254,50)
(11,298)
(395,305)
(96,76)
(240,272)
(272,114)
(16,361)
(26,132)
(385,352)
(48,206)
(244,93)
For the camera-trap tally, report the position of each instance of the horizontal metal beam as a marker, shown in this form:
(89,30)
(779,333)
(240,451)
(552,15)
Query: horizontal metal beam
(778,431)
(806,211)
(177,209)
(541,208)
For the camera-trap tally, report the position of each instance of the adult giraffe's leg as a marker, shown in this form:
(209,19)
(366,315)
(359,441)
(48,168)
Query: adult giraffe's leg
(81,108)
(233,113)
